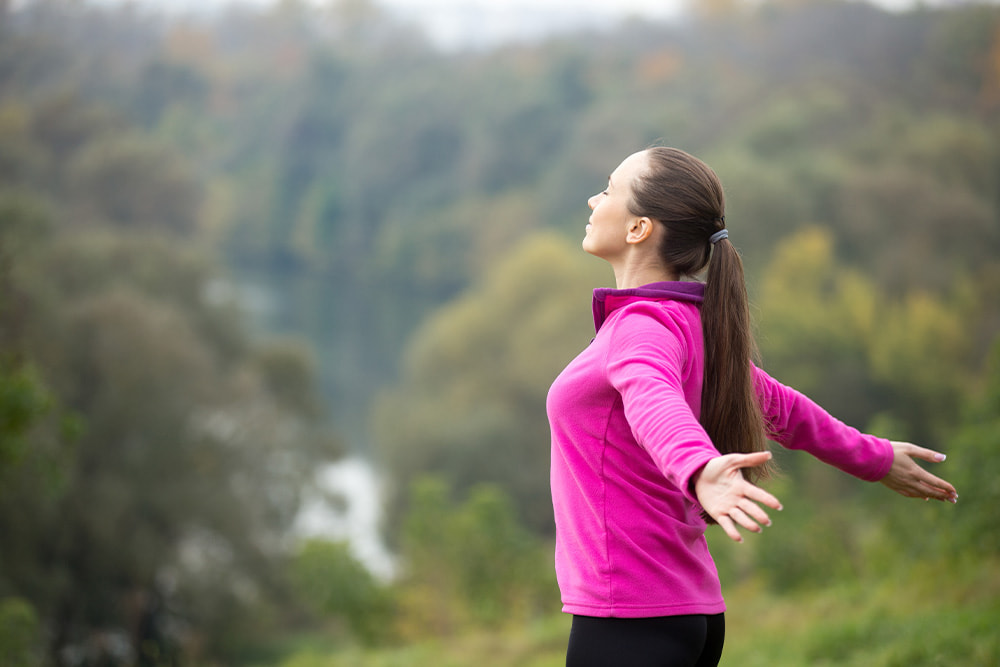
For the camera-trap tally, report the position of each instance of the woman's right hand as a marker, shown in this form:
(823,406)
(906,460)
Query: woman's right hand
(729,498)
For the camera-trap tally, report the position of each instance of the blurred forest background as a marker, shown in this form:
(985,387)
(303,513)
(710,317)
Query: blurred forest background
(235,250)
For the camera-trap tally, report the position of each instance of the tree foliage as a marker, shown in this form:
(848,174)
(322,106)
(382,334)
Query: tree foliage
(335,585)
(468,562)
(907,357)
(186,459)
(974,444)
(152,455)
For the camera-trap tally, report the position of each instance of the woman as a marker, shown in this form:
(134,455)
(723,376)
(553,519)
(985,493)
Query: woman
(663,420)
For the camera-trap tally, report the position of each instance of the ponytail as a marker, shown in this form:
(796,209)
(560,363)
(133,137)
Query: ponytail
(730,413)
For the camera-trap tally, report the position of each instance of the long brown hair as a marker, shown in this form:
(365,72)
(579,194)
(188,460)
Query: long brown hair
(685,195)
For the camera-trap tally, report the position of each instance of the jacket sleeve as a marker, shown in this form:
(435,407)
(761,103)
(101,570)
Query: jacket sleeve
(645,365)
(796,422)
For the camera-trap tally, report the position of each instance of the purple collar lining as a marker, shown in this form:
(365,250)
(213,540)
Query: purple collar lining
(607,299)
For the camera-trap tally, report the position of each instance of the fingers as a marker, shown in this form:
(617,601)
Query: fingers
(920,488)
(751,516)
(938,489)
(748,515)
(938,485)
(761,496)
(923,480)
(727,525)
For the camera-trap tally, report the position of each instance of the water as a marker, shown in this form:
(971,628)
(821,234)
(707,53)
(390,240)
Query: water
(352,516)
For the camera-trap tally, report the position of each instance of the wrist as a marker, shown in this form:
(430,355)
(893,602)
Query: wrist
(695,478)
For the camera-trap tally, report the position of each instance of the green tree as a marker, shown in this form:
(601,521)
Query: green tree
(23,396)
(468,562)
(192,445)
(132,183)
(974,453)
(337,586)
(814,319)
(24,403)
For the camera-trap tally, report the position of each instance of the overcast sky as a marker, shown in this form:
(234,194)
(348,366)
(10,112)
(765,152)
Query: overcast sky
(620,7)
(458,22)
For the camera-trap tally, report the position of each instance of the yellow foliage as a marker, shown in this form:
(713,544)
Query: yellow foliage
(659,67)
(810,307)
(824,323)
(917,342)
(425,609)
(13,121)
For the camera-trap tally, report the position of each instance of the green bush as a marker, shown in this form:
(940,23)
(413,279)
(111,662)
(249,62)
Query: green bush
(335,585)
(470,562)
(19,634)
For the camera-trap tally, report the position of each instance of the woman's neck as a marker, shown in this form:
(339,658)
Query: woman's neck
(628,277)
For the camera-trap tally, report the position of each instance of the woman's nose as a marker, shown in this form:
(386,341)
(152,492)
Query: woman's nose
(592,201)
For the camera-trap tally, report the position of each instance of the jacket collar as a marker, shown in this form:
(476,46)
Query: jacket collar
(608,299)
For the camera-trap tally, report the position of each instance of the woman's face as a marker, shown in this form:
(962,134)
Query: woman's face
(611,217)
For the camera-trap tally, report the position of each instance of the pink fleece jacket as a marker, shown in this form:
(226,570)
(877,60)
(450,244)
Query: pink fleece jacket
(626,442)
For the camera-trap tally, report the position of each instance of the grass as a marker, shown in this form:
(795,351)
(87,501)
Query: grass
(942,616)
(539,644)
(924,617)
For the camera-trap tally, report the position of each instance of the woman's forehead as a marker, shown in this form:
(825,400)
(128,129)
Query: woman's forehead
(629,167)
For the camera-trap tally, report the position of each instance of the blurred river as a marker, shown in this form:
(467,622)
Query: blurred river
(350,510)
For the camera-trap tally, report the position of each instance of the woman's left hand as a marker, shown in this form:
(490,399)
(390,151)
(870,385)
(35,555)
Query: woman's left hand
(909,479)
(730,499)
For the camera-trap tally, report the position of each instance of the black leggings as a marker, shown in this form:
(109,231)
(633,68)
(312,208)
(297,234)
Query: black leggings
(664,641)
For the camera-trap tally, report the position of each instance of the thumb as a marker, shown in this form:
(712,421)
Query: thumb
(918,452)
(751,460)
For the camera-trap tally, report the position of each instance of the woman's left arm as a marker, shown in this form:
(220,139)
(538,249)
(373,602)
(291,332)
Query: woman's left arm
(796,422)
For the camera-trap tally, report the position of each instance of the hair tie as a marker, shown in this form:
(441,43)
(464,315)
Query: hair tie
(718,236)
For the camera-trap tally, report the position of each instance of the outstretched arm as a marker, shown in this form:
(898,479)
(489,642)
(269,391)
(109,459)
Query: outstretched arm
(729,498)
(909,479)
(796,422)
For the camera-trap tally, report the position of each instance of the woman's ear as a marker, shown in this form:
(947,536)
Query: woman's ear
(639,230)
